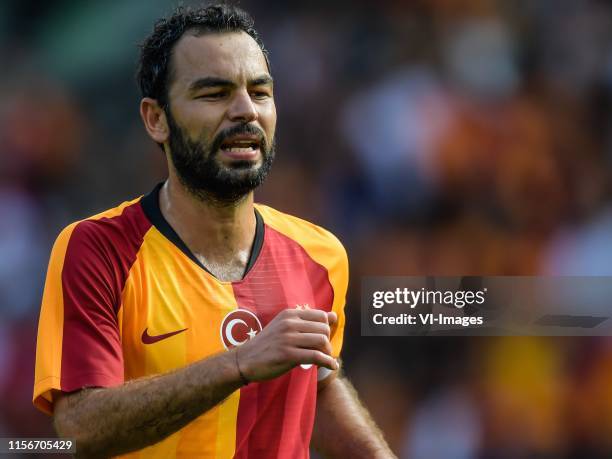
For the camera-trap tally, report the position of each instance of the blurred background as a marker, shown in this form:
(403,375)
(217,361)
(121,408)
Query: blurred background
(446,137)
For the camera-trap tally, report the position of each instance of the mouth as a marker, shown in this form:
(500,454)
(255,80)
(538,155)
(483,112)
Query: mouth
(241,147)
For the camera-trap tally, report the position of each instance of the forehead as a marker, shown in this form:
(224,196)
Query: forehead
(231,55)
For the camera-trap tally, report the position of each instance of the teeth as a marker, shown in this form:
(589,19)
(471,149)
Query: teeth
(239,149)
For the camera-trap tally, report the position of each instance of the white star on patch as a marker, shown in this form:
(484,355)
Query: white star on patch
(251,333)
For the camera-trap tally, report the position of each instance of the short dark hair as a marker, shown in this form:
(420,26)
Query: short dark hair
(154,70)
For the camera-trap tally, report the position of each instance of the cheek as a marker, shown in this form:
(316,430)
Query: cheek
(200,123)
(268,120)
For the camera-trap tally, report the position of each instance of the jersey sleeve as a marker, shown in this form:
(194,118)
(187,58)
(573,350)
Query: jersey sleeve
(78,341)
(339,276)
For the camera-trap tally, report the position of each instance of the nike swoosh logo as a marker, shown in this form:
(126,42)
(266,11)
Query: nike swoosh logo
(148,339)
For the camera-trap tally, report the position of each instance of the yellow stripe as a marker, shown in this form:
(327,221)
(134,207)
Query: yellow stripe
(325,249)
(132,315)
(166,291)
(226,428)
(206,303)
(115,211)
(48,371)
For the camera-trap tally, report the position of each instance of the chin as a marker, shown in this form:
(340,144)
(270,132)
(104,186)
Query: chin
(243,165)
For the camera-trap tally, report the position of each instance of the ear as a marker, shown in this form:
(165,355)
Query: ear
(154,119)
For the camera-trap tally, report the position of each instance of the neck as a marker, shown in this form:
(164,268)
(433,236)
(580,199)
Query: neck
(220,235)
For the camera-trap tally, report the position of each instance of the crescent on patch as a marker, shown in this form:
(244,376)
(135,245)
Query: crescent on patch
(245,318)
(229,331)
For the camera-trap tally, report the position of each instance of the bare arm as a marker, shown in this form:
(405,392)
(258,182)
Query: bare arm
(112,421)
(107,422)
(343,427)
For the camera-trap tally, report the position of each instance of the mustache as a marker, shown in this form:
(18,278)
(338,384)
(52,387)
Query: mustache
(239,129)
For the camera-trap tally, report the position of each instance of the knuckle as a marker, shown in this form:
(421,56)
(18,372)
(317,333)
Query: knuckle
(286,325)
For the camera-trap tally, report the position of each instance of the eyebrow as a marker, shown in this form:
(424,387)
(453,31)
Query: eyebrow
(261,81)
(214,82)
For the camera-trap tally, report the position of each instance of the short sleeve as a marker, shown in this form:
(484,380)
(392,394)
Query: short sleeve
(78,343)
(339,275)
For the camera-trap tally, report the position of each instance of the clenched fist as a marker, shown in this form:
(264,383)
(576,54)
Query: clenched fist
(293,337)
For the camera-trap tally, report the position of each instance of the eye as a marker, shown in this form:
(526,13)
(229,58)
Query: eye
(212,95)
(260,95)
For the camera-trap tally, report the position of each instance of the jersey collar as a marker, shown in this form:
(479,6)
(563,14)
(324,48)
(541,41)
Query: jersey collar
(150,206)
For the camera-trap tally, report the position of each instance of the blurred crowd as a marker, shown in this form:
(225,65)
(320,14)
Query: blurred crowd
(446,137)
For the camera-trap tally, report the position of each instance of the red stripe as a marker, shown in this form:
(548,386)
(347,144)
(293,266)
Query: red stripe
(275,418)
(98,258)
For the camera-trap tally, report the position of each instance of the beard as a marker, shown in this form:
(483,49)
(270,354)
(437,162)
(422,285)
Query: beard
(205,176)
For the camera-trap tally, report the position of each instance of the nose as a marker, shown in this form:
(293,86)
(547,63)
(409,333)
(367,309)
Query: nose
(242,108)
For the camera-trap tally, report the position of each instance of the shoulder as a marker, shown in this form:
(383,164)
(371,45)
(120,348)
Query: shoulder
(316,240)
(298,229)
(113,234)
(121,221)
(91,258)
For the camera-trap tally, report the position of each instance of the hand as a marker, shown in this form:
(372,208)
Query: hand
(293,337)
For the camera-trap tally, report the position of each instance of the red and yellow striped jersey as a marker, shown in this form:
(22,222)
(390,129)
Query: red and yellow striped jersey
(125,298)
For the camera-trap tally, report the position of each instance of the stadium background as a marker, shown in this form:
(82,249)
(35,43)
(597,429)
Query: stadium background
(446,137)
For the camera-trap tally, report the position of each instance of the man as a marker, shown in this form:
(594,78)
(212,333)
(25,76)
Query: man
(192,322)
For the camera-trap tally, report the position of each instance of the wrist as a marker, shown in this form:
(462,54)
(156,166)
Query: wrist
(243,379)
